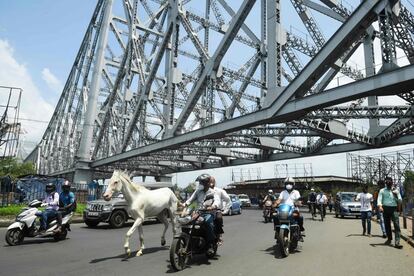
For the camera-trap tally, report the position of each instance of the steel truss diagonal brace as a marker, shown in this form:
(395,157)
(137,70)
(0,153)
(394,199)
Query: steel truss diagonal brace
(213,64)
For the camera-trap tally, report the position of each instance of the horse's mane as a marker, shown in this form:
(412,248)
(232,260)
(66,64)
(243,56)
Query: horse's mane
(134,186)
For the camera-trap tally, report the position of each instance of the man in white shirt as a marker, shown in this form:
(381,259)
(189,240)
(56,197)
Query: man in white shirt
(290,196)
(223,203)
(366,200)
(322,200)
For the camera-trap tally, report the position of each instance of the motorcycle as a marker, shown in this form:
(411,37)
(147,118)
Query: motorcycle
(191,240)
(287,232)
(25,226)
(267,211)
(321,207)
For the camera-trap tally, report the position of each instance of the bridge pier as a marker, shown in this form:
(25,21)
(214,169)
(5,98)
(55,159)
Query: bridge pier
(83,173)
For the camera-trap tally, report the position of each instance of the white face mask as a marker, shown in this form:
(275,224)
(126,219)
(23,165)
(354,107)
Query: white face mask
(289,187)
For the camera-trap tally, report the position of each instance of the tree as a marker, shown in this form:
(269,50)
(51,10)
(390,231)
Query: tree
(10,166)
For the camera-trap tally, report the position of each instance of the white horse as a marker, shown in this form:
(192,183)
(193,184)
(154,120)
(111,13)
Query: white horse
(143,203)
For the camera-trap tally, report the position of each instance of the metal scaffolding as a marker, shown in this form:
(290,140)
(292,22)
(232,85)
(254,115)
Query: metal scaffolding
(371,168)
(10,126)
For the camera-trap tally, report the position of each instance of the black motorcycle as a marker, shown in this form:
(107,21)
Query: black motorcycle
(267,211)
(192,240)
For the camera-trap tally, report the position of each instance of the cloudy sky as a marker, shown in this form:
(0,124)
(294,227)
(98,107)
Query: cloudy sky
(38,43)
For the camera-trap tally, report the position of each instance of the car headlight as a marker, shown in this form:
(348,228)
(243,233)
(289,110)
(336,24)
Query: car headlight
(107,207)
(88,206)
(344,206)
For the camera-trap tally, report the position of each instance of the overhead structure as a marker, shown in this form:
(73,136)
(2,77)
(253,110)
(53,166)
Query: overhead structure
(162,86)
(10,126)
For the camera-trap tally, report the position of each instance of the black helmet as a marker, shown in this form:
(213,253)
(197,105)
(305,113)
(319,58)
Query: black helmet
(204,179)
(50,188)
(66,186)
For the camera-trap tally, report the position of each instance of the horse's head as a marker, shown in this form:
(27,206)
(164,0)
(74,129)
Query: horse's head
(114,186)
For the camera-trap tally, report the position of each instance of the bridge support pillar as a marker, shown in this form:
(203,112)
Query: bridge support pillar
(83,173)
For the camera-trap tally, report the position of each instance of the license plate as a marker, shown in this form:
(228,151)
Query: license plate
(355,209)
(93,214)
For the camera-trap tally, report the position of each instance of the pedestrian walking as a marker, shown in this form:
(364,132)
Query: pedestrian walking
(389,199)
(366,200)
(380,215)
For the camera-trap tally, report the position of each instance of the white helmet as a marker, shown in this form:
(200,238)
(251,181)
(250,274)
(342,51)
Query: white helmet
(312,189)
(270,191)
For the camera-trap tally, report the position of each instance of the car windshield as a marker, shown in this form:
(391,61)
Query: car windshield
(348,197)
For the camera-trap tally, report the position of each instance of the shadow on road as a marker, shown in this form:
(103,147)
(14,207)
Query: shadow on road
(123,256)
(196,260)
(354,235)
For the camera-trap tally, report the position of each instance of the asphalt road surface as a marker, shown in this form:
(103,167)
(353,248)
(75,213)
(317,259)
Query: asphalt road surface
(332,247)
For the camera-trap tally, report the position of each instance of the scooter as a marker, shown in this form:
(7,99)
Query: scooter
(25,226)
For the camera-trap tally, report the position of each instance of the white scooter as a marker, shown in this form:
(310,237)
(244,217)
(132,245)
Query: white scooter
(25,226)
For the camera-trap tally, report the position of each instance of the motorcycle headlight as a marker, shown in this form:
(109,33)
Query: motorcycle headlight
(107,207)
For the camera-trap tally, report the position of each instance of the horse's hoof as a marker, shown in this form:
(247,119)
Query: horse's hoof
(128,252)
(139,253)
(162,242)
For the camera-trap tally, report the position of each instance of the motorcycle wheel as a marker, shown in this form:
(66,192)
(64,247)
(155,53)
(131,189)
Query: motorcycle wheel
(61,236)
(14,236)
(178,256)
(284,242)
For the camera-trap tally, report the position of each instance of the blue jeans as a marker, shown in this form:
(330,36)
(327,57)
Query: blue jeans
(366,221)
(45,215)
(209,223)
(380,217)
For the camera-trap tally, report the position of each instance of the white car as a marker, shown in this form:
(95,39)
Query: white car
(244,200)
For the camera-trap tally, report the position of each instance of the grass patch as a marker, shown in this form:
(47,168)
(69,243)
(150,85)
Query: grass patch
(11,210)
(15,209)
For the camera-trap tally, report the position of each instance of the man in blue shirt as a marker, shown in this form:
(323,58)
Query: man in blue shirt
(67,204)
(389,199)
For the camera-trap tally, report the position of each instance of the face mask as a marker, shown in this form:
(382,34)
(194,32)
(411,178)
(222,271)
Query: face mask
(289,187)
(200,187)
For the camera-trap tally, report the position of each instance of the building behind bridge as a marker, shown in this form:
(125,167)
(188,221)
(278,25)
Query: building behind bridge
(329,184)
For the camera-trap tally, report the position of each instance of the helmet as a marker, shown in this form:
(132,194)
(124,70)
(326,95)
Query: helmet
(204,179)
(270,191)
(312,189)
(50,188)
(289,183)
(66,186)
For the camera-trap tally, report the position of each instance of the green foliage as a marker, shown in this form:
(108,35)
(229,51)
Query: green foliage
(10,166)
(11,210)
(15,209)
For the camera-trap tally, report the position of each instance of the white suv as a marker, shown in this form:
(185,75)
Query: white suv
(244,200)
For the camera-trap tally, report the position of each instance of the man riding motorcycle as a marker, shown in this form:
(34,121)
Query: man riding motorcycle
(52,205)
(268,202)
(290,196)
(202,192)
(67,204)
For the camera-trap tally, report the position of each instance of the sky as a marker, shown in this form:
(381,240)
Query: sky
(38,44)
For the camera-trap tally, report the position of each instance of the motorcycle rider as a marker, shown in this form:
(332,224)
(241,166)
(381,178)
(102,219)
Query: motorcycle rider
(322,200)
(200,195)
(270,196)
(67,204)
(290,196)
(52,205)
(224,204)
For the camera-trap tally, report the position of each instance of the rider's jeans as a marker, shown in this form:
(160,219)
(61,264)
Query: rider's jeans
(209,221)
(366,221)
(380,217)
(49,213)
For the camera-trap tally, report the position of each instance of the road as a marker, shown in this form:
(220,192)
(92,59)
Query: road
(332,247)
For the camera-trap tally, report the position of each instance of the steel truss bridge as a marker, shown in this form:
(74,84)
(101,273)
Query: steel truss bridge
(162,86)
